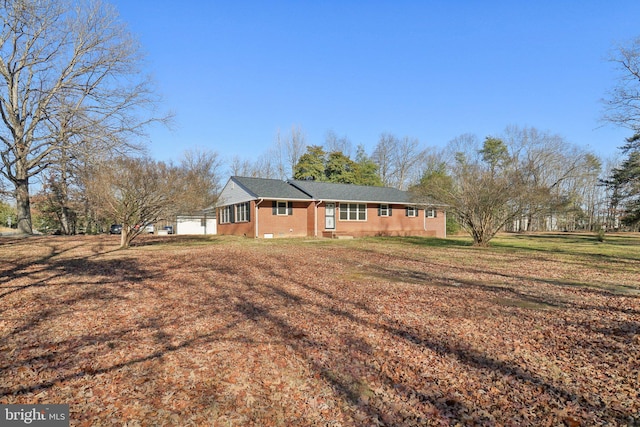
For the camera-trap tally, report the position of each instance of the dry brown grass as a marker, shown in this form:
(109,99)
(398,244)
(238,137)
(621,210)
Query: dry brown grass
(222,331)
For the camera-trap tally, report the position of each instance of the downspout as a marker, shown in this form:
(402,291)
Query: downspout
(424,219)
(445,223)
(257,204)
(315,218)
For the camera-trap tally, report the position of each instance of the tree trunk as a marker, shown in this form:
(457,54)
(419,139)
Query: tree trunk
(23,206)
(126,236)
(64,221)
(66,215)
(481,240)
(124,242)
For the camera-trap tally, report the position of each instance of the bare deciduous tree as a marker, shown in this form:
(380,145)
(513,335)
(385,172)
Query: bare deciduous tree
(135,192)
(551,163)
(383,156)
(265,166)
(333,143)
(398,160)
(240,167)
(408,157)
(70,82)
(278,162)
(483,194)
(492,184)
(623,102)
(288,150)
(201,172)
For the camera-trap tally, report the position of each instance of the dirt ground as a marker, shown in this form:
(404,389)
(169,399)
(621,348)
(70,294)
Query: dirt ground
(370,332)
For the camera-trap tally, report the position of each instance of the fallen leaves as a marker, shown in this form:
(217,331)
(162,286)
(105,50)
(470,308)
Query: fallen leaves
(345,333)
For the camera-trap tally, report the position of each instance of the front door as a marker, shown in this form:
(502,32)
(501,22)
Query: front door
(330,216)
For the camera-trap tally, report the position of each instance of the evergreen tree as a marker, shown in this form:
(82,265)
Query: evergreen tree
(318,165)
(366,171)
(625,183)
(311,164)
(340,168)
(494,153)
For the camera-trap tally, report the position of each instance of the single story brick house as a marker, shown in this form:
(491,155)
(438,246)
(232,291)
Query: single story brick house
(269,208)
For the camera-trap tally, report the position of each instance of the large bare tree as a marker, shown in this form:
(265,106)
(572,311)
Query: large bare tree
(503,179)
(623,101)
(70,84)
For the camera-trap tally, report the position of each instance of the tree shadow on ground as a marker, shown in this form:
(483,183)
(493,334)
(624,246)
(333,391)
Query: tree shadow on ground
(50,271)
(349,386)
(257,302)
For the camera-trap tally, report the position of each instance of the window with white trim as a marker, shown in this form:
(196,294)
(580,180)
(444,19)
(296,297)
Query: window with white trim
(281,208)
(412,211)
(430,213)
(242,212)
(353,212)
(225,215)
(384,210)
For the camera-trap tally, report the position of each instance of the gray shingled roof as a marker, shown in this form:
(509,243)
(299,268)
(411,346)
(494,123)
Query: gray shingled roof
(270,188)
(275,189)
(352,193)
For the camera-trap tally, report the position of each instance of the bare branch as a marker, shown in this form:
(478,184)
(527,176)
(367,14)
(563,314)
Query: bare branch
(70,82)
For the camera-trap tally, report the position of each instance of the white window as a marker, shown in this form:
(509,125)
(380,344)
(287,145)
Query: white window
(430,213)
(242,212)
(412,211)
(353,212)
(384,210)
(281,208)
(225,215)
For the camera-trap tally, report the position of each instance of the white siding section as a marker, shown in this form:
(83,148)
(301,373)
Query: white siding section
(195,225)
(233,193)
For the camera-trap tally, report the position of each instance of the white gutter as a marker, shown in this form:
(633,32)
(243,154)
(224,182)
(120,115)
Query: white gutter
(445,223)
(424,219)
(257,204)
(315,215)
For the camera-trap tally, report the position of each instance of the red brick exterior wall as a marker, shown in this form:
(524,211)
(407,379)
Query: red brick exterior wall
(237,228)
(398,224)
(294,225)
(301,223)
(437,225)
(311,213)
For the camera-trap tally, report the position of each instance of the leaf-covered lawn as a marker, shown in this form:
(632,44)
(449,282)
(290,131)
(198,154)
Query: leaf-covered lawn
(233,332)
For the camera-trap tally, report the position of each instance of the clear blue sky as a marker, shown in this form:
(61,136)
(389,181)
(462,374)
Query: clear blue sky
(234,72)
